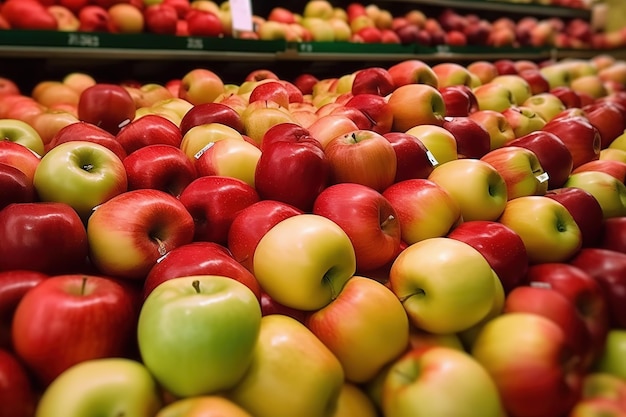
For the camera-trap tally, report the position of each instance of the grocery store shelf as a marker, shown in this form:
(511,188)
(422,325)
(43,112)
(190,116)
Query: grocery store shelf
(507,7)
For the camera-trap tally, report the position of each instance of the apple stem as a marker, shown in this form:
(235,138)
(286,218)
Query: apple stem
(196,286)
(83,286)
(389,218)
(162,249)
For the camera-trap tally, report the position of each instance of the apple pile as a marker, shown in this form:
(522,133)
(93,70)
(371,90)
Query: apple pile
(319,21)
(398,241)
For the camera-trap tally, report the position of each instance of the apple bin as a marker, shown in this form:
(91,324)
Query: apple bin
(410,238)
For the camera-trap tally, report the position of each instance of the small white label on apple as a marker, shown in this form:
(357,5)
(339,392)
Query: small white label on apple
(203,150)
(432,159)
(124,123)
(241,11)
(536,284)
(543,177)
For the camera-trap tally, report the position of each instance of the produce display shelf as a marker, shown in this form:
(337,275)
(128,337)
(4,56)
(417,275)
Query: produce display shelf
(508,7)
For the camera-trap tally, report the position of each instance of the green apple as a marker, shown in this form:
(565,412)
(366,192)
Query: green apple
(292,373)
(21,132)
(546,105)
(518,86)
(482,195)
(493,96)
(197,334)
(196,139)
(608,190)
(365,327)
(445,285)
(102,387)
(548,230)
(611,359)
(354,401)
(439,381)
(304,261)
(81,174)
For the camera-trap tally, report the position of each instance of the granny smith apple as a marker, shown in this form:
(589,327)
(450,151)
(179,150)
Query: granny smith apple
(197,334)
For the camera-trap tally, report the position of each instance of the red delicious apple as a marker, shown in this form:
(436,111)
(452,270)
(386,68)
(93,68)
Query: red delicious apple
(150,129)
(372,80)
(459,100)
(607,118)
(47,237)
(614,234)
(579,135)
(501,246)
(15,185)
(89,132)
(472,139)
(161,167)
(203,23)
(251,224)
(214,201)
(199,258)
(376,110)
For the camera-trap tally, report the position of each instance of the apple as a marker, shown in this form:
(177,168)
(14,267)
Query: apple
(317,253)
(14,284)
(459,100)
(440,142)
(203,405)
(549,231)
(48,237)
(416,104)
(16,186)
(86,132)
(352,206)
(609,361)
(450,73)
(536,81)
(612,234)
(328,127)
(17,392)
(579,135)
(585,209)
(213,202)
(484,70)
(493,239)
(200,85)
(204,23)
(354,401)
(104,329)
(199,137)
(535,350)
(174,318)
(417,383)
(50,121)
(423,209)
(412,71)
(130,232)
(376,110)
(482,195)
(126,18)
(614,168)
(608,190)
(260,116)
(442,268)
(545,105)
(569,98)
(607,268)
(19,156)
(22,133)
(472,139)
(151,129)
(127,380)
(363,157)
(496,123)
(108,106)
(553,155)
(161,19)
(31,15)
(523,120)
(81,174)
(251,223)
(495,97)
(373,80)
(94,18)
(210,113)
(274,387)
(230,158)
(608,118)
(520,169)
(413,159)
(366,327)
(582,291)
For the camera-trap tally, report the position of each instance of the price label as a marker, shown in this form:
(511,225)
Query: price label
(83,39)
(305,47)
(444,49)
(544,177)
(432,159)
(201,152)
(241,13)
(195,43)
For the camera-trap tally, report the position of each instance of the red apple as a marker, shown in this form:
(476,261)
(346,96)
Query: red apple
(28,14)
(459,100)
(19,156)
(376,110)
(17,392)
(472,139)
(94,18)
(579,135)
(108,106)
(15,185)
(161,19)
(373,80)
(89,132)
(368,219)
(251,224)
(96,317)
(585,210)
(203,23)
(150,129)
(45,237)
(305,82)
(607,118)
(214,201)
(614,168)
(501,246)
(199,258)
(569,97)
(161,167)
(413,159)
(614,234)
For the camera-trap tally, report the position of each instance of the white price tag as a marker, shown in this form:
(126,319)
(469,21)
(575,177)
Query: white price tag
(241,12)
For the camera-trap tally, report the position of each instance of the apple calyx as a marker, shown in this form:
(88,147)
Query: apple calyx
(196,286)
